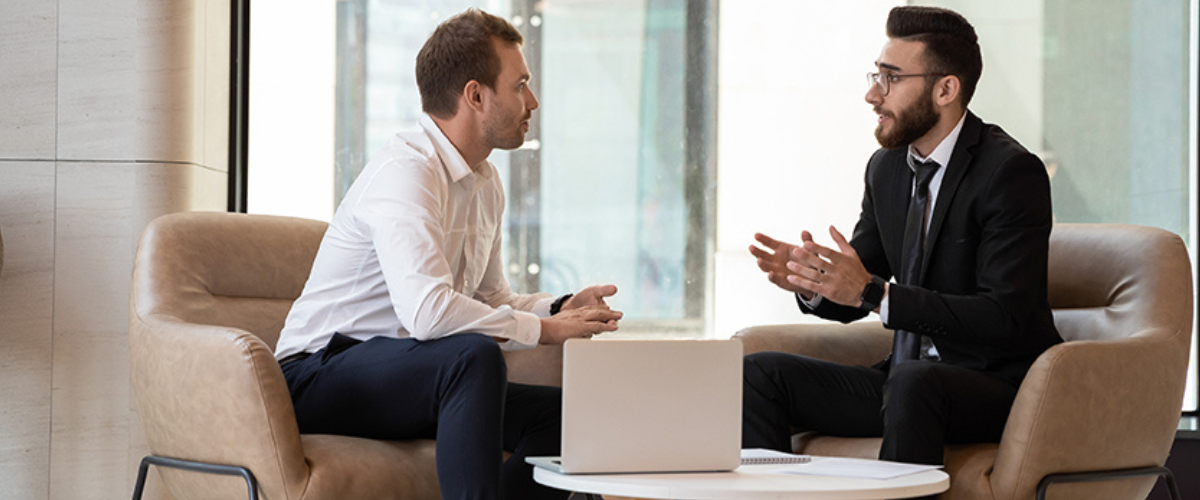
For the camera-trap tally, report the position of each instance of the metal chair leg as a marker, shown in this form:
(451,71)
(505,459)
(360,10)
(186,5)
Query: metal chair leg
(206,468)
(1108,475)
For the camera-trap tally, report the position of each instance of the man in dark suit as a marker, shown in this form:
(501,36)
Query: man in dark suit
(958,214)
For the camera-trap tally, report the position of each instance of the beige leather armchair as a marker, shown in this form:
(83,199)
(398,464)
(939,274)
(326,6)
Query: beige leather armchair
(210,294)
(1107,399)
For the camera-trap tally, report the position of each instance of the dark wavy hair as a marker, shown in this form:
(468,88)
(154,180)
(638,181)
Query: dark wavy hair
(951,46)
(458,51)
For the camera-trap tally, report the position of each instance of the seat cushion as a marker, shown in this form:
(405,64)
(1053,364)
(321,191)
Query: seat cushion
(970,465)
(348,467)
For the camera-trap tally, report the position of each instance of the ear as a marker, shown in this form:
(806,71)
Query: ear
(947,90)
(472,96)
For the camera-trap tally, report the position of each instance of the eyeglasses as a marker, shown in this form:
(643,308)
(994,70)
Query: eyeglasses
(885,80)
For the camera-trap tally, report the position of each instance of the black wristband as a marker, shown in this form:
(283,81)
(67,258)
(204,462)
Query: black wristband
(872,294)
(556,306)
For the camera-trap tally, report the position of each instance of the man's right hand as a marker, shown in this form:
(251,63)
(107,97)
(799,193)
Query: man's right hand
(773,257)
(582,322)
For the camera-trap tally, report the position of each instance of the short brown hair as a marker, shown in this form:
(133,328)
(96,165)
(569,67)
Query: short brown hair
(458,51)
(951,46)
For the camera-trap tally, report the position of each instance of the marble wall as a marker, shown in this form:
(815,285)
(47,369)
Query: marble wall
(112,112)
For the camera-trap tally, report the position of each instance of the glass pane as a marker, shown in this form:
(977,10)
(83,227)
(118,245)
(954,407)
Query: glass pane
(377,95)
(613,154)
(1101,91)
(600,192)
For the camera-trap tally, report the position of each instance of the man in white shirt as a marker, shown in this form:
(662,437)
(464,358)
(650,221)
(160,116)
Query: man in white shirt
(399,330)
(958,213)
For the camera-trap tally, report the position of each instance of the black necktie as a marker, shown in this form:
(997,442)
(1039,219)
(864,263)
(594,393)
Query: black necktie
(906,345)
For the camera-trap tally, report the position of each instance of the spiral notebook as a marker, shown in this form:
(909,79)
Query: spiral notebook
(761,456)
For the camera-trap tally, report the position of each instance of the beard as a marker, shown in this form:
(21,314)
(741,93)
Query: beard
(502,130)
(910,124)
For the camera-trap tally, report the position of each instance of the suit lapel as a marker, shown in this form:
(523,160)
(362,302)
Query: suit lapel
(960,160)
(902,180)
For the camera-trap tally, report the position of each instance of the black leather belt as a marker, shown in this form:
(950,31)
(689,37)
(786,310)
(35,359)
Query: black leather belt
(300,356)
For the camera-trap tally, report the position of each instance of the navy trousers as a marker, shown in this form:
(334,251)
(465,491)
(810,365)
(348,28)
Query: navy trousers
(453,389)
(917,408)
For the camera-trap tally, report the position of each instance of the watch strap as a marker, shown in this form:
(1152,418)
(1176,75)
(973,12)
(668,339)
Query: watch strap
(556,306)
(872,294)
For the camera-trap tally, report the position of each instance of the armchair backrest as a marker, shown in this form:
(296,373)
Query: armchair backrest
(1109,281)
(210,295)
(1110,397)
(223,269)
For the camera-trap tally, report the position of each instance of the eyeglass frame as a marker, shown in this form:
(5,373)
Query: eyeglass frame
(876,78)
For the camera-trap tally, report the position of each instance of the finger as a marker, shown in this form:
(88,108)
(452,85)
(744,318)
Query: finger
(604,291)
(805,283)
(763,265)
(602,326)
(760,253)
(780,280)
(767,241)
(768,266)
(808,258)
(810,274)
(841,242)
(605,314)
(822,251)
(805,236)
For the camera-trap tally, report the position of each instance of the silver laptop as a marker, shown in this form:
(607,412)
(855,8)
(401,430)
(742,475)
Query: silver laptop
(650,406)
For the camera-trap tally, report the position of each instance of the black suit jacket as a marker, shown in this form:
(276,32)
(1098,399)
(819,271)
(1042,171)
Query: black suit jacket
(982,297)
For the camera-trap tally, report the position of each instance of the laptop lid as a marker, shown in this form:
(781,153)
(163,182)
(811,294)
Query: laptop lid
(651,405)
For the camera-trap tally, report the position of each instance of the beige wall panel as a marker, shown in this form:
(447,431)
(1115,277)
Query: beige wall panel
(126,80)
(93,254)
(29,38)
(26,308)
(102,209)
(209,190)
(216,84)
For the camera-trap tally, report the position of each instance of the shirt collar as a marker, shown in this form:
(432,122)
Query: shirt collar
(455,165)
(941,154)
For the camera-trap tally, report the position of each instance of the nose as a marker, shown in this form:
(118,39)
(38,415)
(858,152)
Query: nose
(874,95)
(532,101)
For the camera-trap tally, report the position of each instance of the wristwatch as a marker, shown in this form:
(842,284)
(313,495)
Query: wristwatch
(556,306)
(872,294)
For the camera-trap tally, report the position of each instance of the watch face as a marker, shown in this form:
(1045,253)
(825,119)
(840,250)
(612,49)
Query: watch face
(872,294)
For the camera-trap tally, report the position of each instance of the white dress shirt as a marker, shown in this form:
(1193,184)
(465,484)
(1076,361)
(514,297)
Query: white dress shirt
(941,154)
(414,251)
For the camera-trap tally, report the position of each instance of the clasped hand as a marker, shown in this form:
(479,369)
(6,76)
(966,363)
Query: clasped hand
(582,316)
(810,269)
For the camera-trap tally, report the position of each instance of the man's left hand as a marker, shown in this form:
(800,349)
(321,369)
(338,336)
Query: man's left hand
(837,275)
(590,296)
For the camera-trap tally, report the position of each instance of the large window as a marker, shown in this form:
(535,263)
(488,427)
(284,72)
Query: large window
(612,184)
(619,179)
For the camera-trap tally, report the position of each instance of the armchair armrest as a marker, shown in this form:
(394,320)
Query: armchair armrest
(215,394)
(1094,405)
(541,365)
(862,343)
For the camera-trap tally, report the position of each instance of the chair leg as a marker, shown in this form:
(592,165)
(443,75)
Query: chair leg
(206,468)
(1108,475)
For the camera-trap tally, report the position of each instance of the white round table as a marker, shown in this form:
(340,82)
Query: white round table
(749,482)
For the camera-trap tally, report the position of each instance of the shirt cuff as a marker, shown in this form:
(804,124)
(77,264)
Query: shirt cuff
(542,307)
(811,304)
(529,332)
(883,309)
